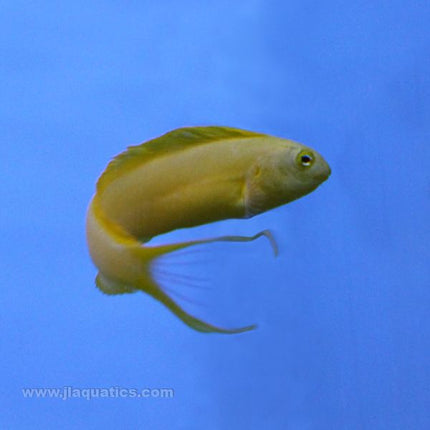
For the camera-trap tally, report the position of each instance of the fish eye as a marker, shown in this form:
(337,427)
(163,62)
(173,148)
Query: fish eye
(305,158)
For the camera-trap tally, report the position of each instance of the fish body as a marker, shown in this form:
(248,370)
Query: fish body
(188,177)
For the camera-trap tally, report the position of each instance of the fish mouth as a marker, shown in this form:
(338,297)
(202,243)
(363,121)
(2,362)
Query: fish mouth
(324,174)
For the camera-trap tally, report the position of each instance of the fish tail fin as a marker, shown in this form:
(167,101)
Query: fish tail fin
(150,285)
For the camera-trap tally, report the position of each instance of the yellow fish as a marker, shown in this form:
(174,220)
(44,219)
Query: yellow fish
(188,177)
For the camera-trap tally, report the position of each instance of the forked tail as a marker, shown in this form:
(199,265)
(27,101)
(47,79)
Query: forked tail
(152,287)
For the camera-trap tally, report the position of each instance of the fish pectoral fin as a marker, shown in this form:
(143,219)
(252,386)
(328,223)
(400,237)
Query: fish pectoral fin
(189,319)
(109,286)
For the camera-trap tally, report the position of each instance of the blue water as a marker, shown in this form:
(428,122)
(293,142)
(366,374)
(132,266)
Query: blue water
(343,337)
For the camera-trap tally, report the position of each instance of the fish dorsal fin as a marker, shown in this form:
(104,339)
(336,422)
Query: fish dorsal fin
(172,141)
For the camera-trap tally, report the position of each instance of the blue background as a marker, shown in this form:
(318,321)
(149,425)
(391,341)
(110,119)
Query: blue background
(343,337)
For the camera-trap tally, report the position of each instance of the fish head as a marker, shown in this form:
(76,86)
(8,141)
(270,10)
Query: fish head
(304,168)
(287,172)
